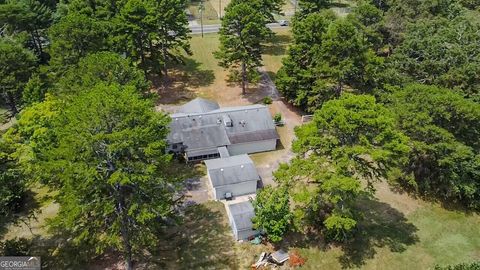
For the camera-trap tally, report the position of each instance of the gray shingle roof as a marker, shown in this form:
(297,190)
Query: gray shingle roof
(249,123)
(199,105)
(231,170)
(242,214)
(204,137)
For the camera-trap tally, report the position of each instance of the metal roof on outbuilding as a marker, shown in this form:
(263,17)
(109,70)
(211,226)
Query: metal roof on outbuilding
(231,170)
(242,214)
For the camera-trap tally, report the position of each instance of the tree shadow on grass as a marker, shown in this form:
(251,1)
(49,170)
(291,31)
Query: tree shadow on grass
(381,226)
(28,207)
(203,240)
(278,45)
(183,78)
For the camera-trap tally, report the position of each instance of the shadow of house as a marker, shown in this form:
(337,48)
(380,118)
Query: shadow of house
(380,226)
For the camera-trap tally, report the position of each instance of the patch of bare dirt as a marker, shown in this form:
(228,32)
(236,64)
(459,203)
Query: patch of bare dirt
(400,201)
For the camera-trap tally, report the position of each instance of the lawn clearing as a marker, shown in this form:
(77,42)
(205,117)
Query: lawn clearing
(210,15)
(202,77)
(31,221)
(387,239)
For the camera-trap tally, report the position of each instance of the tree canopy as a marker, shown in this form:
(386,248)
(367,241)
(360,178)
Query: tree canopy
(241,36)
(16,66)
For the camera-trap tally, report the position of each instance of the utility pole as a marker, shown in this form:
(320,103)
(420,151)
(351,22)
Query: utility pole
(201,7)
(219,9)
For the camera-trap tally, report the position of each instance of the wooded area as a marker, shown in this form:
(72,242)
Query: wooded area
(394,88)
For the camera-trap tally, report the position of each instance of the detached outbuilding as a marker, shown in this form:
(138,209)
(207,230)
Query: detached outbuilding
(235,175)
(240,217)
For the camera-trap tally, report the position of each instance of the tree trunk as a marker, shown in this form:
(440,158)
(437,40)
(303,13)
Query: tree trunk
(339,89)
(164,67)
(34,40)
(244,78)
(124,228)
(11,103)
(39,42)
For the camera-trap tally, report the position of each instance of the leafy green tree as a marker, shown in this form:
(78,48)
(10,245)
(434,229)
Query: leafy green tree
(241,35)
(102,67)
(444,130)
(272,212)
(440,52)
(108,162)
(296,78)
(461,266)
(371,23)
(16,67)
(312,6)
(328,56)
(30,16)
(73,37)
(350,139)
(12,184)
(400,14)
(100,9)
(136,27)
(267,7)
(173,33)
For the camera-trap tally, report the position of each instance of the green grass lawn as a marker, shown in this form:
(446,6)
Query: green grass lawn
(202,76)
(388,240)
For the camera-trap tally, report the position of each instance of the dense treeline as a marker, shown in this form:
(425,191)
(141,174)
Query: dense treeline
(74,74)
(393,87)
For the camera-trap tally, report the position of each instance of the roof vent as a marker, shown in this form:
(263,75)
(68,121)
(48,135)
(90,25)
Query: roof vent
(227,120)
(219,121)
(243,123)
(241,166)
(221,170)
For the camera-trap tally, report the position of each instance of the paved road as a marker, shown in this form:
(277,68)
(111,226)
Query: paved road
(214,28)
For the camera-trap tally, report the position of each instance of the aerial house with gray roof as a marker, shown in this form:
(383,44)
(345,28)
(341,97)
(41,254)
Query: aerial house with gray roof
(235,175)
(200,129)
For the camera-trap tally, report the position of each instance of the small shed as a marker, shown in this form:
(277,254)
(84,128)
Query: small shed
(240,217)
(235,174)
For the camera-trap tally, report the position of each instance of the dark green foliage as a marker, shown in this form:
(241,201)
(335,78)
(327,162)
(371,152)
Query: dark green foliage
(16,67)
(241,35)
(75,36)
(443,52)
(312,6)
(268,8)
(16,247)
(32,17)
(329,55)
(462,266)
(272,212)
(152,33)
(103,67)
(444,129)
(109,164)
(350,139)
(12,183)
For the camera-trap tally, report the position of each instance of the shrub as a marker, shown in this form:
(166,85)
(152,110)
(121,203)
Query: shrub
(267,100)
